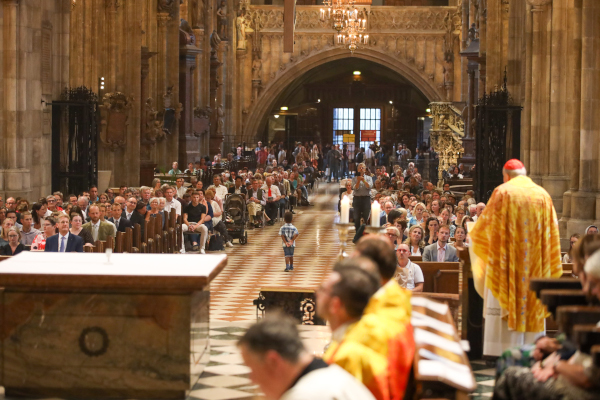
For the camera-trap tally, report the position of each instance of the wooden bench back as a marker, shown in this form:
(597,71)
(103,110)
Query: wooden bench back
(430,270)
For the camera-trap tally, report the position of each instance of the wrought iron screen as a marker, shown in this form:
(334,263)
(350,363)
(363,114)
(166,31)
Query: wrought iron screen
(74,141)
(498,139)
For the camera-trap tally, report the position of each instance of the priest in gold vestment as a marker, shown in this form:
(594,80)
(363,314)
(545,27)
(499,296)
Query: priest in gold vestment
(515,239)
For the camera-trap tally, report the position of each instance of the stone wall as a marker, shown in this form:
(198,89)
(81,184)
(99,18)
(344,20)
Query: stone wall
(34,36)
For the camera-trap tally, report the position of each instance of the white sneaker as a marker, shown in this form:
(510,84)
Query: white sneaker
(229,244)
(202,251)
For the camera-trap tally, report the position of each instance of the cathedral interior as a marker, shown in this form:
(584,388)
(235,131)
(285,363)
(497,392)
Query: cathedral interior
(111,92)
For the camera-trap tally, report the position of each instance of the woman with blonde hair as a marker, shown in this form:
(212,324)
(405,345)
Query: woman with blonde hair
(417,217)
(6,225)
(14,246)
(154,208)
(415,241)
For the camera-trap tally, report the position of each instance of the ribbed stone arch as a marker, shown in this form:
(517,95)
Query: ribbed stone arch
(261,109)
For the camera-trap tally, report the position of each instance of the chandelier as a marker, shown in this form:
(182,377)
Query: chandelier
(348,21)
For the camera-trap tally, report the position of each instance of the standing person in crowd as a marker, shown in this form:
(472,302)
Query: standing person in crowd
(284,369)
(288,233)
(441,251)
(28,232)
(408,274)
(591,230)
(77,229)
(14,245)
(515,239)
(361,185)
(333,160)
(64,241)
(194,215)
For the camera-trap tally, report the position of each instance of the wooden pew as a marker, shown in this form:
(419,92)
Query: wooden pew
(586,336)
(416,259)
(450,382)
(430,270)
(554,298)
(3,258)
(595,352)
(539,284)
(569,316)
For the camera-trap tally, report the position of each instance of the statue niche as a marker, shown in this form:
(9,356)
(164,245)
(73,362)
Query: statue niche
(114,113)
(242,26)
(222,20)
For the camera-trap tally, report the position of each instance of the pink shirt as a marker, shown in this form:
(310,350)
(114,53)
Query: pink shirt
(441,253)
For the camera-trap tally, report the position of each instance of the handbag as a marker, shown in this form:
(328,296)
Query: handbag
(216,243)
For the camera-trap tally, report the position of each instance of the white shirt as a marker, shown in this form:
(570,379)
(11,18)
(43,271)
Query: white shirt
(317,385)
(274,192)
(60,239)
(181,191)
(173,204)
(128,215)
(216,209)
(369,153)
(221,191)
(408,276)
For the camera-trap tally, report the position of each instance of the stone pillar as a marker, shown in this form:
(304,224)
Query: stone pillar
(14,177)
(540,89)
(216,138)
(556,182)
(573,106)
(584,202)
(189,144)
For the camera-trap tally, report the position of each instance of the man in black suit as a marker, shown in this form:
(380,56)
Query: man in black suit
(65,241)
(121,222)
(238,188)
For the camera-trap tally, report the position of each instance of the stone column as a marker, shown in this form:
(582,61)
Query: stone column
(14,177)
(556,182)
(584,202)
(189,145)
(540,89)
(216,138)
(573,105)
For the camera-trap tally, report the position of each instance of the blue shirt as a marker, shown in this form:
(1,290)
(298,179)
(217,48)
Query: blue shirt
(289,231)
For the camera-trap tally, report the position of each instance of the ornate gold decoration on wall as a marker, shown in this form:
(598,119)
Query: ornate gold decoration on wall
(447,131)
(114,112)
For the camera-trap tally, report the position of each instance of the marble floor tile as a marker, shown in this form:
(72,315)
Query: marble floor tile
(228,369)
(224,381)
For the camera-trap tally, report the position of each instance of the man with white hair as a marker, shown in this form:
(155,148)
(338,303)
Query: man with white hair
(473,211)
(514,240)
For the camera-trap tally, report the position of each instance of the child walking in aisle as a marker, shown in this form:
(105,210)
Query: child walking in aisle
(288,233)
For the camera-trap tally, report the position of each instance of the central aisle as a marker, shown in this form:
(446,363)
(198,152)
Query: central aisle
(260,263)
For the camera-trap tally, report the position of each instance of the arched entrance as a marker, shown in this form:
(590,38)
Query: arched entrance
(257,117)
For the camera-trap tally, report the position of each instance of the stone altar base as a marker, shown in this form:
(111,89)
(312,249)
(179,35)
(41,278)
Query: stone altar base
(66,333)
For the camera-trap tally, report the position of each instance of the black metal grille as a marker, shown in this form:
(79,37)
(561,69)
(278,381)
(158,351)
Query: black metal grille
(498,138)
(74,141)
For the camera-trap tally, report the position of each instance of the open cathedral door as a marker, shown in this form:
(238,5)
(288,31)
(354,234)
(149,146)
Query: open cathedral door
(289,23)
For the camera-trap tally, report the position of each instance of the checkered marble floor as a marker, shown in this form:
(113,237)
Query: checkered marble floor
(260,263)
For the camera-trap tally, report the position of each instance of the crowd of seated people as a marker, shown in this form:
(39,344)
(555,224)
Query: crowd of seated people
(269,190)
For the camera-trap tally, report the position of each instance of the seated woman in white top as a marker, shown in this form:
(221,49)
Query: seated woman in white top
(408,274)
(415,241)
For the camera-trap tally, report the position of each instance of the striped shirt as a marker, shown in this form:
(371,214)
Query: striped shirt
(289,231)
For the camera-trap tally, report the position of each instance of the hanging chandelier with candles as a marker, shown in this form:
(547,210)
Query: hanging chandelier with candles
(348,21)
